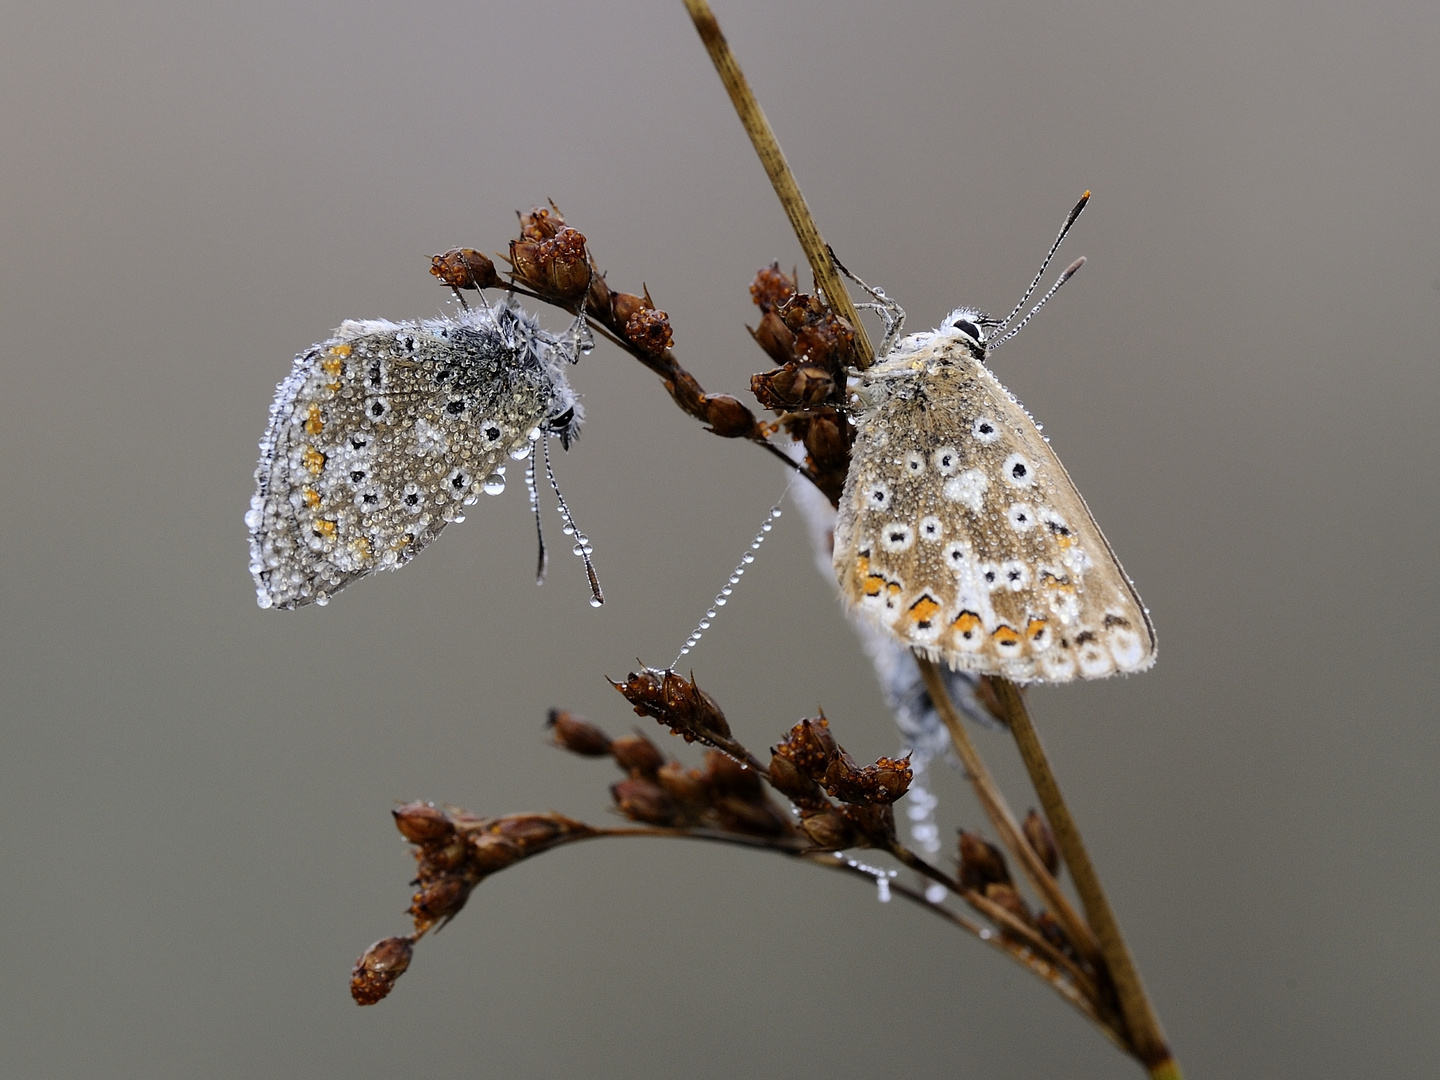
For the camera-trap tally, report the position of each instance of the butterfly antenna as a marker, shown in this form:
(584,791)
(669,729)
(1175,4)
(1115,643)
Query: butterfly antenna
(582,542)
(723,596)
(1075,213)
(534,494)
(1068,273)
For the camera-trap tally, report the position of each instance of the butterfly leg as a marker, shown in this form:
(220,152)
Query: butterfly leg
(889,310)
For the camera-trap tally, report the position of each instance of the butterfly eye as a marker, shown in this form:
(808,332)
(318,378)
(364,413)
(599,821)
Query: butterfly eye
(965,326)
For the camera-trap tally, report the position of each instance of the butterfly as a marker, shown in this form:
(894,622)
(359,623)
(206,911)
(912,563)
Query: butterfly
(959,530)
(384,433)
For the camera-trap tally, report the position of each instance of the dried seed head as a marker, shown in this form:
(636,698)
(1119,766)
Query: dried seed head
(624,305)
(649,331)
(777,339)
(810,746)
(800,310)
(883,782)
(422,823)
(876,823)
(464,268)
(557,268)
(377,969)
(577,735)
(726,776)
(535,832)
(644,800)
(676,702)
(541,223)
(686,786)
(794,386)
(772,287)
(786,778)
(490,853)
(440,898)
(1042,841)
(728,417)
(637,755)
(442,858)
(981,863)
(826,440)
(829,829)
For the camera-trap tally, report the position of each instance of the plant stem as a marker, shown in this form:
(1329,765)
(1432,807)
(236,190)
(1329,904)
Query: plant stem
(1008,830)
(1140,1019)
(762,136)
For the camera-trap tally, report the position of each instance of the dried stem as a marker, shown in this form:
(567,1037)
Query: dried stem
(1006,827)
(762,136)
(1140,1018)
(1073,990)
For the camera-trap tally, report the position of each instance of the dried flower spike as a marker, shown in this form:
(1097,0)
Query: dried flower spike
(577,735)
(464,268)
(377,969)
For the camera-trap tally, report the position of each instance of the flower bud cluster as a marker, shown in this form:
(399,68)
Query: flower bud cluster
(810,765)
(455,851)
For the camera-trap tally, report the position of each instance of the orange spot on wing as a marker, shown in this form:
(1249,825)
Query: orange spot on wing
(966,623)
(892,589)
(313,422)
(314,460)
(312,497)
(873,584)
(1005,637)
(332,365)
(923,611)
(339,350)
(1035,629)
(325,527)
(361,547)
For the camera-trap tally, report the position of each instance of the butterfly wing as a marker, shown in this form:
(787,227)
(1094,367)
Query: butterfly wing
(377,440)
(962,533)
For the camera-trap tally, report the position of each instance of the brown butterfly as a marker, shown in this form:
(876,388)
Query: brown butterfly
(960,531)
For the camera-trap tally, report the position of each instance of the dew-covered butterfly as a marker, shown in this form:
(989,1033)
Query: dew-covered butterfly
(960,531)
(383,434)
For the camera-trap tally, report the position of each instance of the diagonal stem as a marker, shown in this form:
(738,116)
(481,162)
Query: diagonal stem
(762,137)
(1140,1018)
(993,802)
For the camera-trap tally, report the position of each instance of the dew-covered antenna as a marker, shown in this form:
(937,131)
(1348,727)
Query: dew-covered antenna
(723,596)
(582,542)
(534,493)
(1075,213)
(1065,276)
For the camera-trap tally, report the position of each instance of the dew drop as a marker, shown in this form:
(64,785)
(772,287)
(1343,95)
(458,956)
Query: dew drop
(749,558)
(882,889)
(494,484)
(520,451)
(595,602)
(253,518)
(934,892)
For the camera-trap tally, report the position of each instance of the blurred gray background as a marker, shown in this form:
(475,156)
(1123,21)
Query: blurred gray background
(1243,382)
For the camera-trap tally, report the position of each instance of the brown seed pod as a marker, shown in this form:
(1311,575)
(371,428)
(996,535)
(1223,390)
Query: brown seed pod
(576,734)
(377,969)
(464,268)
(422,823)
(981,863)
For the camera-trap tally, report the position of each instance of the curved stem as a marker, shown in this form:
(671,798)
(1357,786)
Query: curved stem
(1135,1006)
(1041,968)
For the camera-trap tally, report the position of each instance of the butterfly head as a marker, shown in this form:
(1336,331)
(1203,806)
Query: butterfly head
(970,328)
